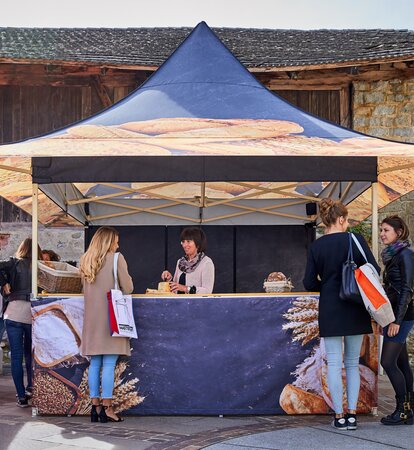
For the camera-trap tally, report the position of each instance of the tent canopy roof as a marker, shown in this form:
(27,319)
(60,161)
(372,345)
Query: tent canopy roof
(202,117)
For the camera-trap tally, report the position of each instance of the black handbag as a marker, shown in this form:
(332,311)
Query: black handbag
(349,289)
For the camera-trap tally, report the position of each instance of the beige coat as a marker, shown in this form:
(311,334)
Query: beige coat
(96,337)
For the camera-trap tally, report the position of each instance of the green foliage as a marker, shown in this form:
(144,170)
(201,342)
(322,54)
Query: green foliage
(363,228)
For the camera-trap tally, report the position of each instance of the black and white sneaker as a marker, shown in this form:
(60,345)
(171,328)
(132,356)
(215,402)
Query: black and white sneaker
(351,421)
(22,402)
(340,424)
(29,392)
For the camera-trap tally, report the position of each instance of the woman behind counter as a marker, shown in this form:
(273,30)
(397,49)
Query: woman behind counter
(339,321)
(16,281)
(96,267)
(398,260)
(194,273)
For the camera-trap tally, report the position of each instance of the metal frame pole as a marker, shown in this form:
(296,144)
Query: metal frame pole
(374,239)
(35,217)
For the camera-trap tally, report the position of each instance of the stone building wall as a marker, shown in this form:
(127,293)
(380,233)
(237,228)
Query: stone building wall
(384,109)
(66,242)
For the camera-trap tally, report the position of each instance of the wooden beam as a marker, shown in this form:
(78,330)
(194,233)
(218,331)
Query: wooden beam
(101,91)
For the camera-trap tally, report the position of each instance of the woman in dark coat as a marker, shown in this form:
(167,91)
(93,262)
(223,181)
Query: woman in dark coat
(398,259)
(340,322)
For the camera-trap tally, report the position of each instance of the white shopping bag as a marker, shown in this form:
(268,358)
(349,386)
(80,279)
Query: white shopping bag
(121,315)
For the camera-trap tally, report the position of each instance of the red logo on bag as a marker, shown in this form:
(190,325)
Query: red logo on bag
(375,297)
(113,325)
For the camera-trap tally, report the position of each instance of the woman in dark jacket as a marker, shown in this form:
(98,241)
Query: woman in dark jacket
(398,260)
(16,281)
(340,322)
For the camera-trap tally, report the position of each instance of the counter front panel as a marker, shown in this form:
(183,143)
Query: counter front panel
(240,354)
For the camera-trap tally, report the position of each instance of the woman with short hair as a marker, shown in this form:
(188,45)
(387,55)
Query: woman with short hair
(194,272)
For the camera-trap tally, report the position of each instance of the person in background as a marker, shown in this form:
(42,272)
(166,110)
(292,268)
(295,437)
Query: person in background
(194,273)
(340,322)
(96,267)
(50,255)
(16,281)
(398,259)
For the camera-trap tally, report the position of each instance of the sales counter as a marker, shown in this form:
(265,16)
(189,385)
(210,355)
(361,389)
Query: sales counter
(198,355)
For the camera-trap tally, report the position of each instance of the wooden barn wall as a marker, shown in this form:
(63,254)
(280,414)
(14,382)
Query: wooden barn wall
(29,111)
(10,213)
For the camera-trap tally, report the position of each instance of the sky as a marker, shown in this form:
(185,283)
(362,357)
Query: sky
(293,14)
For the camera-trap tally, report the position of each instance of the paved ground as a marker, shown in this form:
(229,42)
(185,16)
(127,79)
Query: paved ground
(19,430)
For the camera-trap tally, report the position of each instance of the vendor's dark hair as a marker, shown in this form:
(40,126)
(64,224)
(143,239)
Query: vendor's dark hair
(52,255)
(400,227)
(197,235)
(330,210)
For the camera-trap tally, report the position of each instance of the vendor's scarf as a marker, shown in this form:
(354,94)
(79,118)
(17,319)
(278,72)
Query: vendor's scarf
(187,266)
(391,250)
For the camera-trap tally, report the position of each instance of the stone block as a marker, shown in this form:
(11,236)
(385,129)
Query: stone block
(384,110)
(408,107)
(358,99)
(403,120)
(373,97)
(360,122)
(396,98)
(382,86)
(381,122)
(361,86)
(379,132)
(403,132)
(362,111)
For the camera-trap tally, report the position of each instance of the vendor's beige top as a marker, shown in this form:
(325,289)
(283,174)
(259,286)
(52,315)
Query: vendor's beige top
(96,337)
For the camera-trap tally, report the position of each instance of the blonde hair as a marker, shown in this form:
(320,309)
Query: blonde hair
(330,210)
(92,260)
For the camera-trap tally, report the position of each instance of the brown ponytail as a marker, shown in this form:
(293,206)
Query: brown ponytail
(330,210)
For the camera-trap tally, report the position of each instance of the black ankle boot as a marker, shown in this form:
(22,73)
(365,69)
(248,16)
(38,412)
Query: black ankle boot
(408,407)
(94,414)
(399,416)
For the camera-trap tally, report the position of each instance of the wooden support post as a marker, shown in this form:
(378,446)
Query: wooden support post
(101,91)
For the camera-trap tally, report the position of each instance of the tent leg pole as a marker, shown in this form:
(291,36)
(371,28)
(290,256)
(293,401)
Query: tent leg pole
(35,215)
(374,239)
(374,215)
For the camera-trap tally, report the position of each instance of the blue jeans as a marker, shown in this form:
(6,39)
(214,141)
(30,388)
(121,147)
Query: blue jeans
(2,328)
(333,348)
(107,363)
(20,339)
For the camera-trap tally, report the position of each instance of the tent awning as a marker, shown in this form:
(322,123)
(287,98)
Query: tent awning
(202,118)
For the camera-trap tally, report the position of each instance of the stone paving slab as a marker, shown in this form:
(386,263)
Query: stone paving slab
(19,430)
(369,437)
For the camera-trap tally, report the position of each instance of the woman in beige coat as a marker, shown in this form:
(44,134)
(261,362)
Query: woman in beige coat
(96,267)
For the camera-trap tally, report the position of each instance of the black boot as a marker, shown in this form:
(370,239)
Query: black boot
(408,405)
(399,416)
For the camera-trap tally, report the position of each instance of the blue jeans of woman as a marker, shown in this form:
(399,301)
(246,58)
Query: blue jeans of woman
(352,349)
(107,364)
(20,339)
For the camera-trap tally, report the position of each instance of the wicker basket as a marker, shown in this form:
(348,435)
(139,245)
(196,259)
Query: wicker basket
(59,277)
(278,286)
